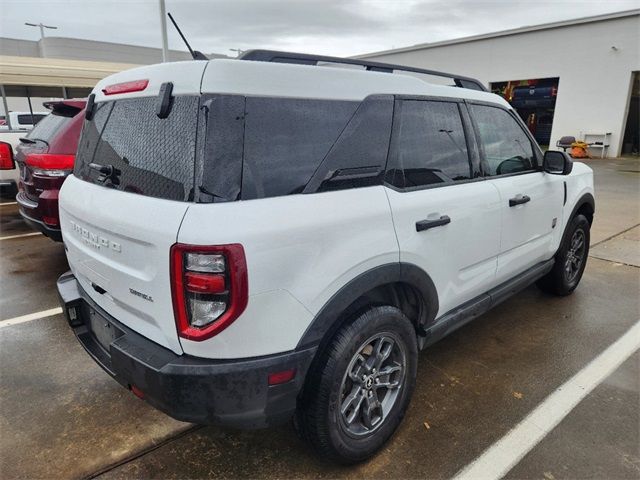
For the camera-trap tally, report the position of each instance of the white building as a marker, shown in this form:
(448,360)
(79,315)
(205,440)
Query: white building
(593,62)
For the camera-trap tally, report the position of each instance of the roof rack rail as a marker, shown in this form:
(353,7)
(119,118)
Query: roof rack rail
(307,59)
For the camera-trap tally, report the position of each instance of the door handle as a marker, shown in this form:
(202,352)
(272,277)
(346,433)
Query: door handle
(427,224)
(519,200)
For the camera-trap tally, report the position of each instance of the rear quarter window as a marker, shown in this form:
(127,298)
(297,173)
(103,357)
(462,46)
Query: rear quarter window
(285,141)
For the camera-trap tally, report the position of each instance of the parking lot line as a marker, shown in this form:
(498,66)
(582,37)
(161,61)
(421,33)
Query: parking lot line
(30,316)
(503,455)
(20,236)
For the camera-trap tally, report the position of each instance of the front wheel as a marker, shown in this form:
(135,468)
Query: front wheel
(571,259)
(356,395)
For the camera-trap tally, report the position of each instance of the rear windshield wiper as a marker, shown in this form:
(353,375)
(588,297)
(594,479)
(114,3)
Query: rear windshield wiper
(32,141)
(107,172)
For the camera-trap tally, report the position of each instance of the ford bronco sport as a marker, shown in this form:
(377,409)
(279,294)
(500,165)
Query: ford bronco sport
(256,239)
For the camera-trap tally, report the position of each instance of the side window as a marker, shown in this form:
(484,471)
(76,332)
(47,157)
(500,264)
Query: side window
(358,157)
(27,119)
(285,140)
(507,149)
(429,145)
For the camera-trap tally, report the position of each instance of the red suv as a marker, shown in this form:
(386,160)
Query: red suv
(45,157)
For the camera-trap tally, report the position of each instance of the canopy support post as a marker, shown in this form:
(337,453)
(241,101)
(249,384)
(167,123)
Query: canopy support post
(6,107)
(33,120)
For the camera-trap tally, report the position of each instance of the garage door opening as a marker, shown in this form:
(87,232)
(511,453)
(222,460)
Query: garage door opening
(631,139)
(535,102)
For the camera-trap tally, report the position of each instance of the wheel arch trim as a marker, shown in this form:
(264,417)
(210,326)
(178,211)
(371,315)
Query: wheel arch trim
(387,274)
(585,199)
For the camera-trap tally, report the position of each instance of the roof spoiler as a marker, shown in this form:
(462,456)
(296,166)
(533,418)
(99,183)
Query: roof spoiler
(65,108)
(274,56)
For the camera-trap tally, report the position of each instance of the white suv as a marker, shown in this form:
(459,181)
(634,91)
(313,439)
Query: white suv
(257,237)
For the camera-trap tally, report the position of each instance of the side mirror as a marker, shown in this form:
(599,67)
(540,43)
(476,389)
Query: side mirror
(557,163)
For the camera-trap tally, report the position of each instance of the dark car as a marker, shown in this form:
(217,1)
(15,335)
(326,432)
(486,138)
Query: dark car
(45,158)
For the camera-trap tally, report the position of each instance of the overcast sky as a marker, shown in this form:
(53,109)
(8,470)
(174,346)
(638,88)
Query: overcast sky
(340,27)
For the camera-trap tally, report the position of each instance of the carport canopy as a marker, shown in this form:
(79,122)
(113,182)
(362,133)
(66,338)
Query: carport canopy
(51,77)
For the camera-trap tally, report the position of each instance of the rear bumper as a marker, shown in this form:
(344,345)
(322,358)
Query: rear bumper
(219,392)
(33,212)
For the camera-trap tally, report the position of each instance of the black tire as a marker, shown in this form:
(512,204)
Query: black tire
(564,278)
(328,386)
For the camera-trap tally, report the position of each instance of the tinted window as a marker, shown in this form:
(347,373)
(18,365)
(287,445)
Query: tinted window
(48,127)
(285,140)
(221,177)
(27,119)
(359,155)
(150,156)
(429,145)
(507,149)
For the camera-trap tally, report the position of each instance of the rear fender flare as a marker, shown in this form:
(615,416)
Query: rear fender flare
(325,321)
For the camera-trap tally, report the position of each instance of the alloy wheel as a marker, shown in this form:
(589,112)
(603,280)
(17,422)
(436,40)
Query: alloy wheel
(575,256)
(372,384)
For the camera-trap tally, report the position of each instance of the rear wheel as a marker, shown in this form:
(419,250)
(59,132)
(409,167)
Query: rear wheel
(356,395)
(571,259)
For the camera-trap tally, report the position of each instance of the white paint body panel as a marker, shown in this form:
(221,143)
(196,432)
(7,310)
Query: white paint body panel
(528,236)
(300,250)
(460,257)
(185,76)
(579,183)
(144,228)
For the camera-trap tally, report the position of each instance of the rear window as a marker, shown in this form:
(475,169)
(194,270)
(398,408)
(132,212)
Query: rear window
(48,127)
(147,155)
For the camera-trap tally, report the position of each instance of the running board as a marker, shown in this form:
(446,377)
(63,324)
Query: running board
(466,312)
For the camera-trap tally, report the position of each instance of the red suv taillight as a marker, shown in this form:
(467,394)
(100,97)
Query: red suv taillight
(49,164)
(209,286)
(6,156)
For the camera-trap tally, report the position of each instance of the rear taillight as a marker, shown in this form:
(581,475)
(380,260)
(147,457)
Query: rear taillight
(209,287)
(49,164)
(6,156)
(126,87)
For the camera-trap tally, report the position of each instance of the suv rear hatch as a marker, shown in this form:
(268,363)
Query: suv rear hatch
(133,178)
